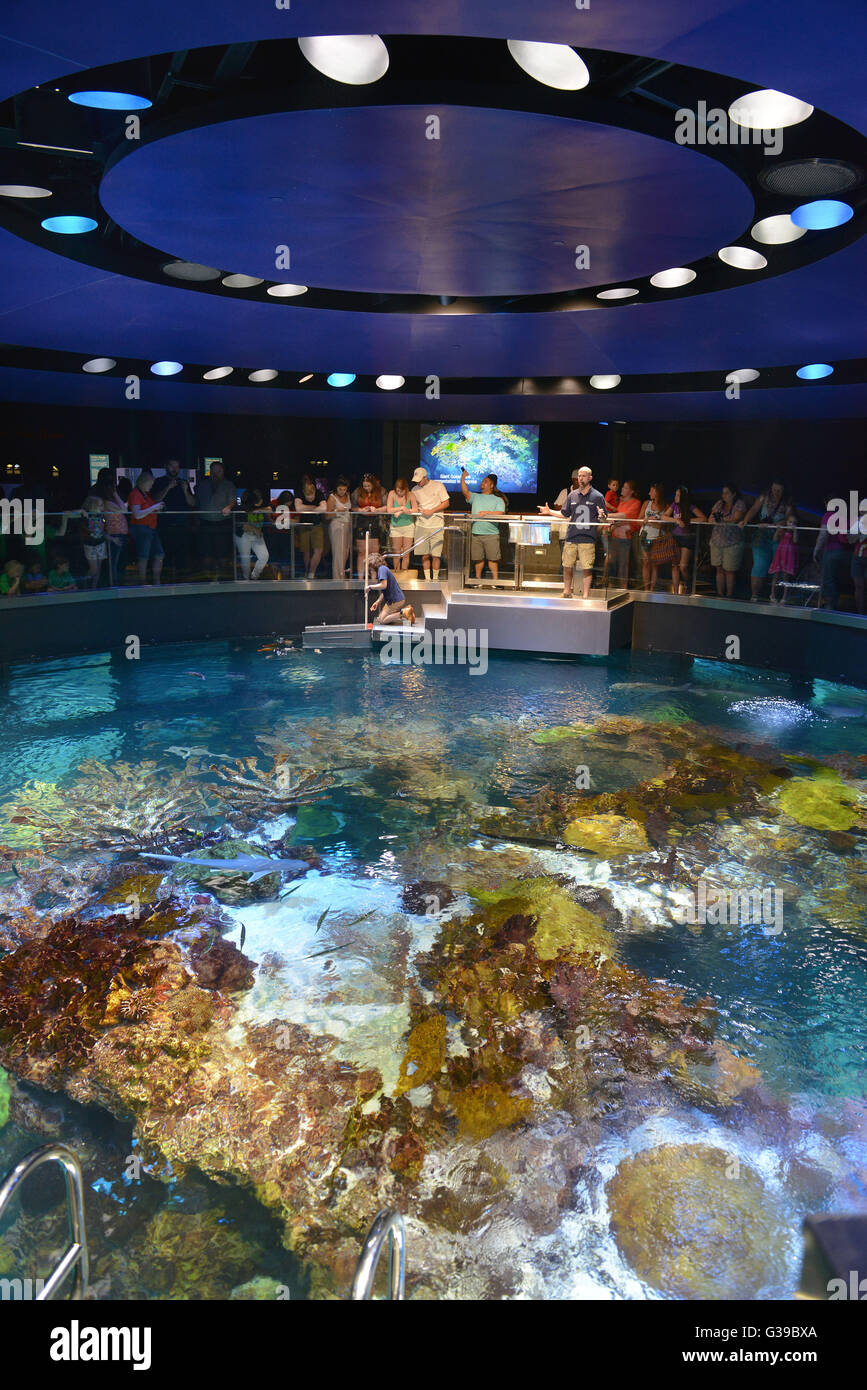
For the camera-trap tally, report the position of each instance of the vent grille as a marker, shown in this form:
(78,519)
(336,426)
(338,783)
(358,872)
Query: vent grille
(810,178)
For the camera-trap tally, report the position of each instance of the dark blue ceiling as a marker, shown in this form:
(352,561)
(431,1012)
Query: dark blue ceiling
(485,213)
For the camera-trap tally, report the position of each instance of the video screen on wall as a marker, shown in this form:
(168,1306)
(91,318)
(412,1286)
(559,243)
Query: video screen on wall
(510,451)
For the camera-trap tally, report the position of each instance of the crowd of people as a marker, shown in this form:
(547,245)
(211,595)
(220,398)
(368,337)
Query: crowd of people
(164,527)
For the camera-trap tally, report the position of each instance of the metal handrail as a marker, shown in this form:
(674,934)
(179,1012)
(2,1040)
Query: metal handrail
(388,1225)
(76,1257)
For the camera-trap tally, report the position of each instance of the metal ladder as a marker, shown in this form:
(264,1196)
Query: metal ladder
(388,1225)
(76,1257)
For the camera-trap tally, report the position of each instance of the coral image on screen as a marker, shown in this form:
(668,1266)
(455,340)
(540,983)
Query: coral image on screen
(510,451)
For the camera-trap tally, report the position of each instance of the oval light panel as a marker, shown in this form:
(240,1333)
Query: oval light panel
(189,270)
(743,376)
(217,373)
(815,371)
(742,258)
(110,101)
(263,374)
(768,109)
(356,59)
(553,64)
(286,291)
(622,292)
(672,279)
(604,383)
(69,226)
(341,379)
(776,231)
(23,190)
(166,368)
(390,383)
(99,364)
(822,214)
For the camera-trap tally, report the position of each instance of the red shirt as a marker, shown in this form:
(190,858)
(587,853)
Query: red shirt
(137,498)
(612,501)
(627,507)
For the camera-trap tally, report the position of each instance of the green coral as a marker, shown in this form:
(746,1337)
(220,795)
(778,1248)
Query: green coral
(425,1054)
(557,733)
(4,1097)
(486,1107)
(822,802)
(314,823)
(609,836)
(563,924)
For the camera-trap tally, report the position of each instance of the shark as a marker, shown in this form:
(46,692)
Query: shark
(257,865)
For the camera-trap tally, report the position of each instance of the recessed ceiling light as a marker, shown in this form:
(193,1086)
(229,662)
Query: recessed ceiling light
(390,383)
(822,214)
(622,292)
(23,190)
(742,258)
(308,377)
(743,375)
(341,378)
(110,101)
(776,231)
(217,373)
(768,110)
(69,226)
(99,364)
(604,383)
(353,58)
(189,270)
(167,368)
(672,279)
(554,64)
(815,371)
(241,282)
(286,291)
(263,374)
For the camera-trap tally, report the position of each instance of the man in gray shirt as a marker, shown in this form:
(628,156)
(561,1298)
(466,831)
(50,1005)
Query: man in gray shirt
(217,499)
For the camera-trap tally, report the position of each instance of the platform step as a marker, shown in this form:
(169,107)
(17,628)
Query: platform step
(336,635)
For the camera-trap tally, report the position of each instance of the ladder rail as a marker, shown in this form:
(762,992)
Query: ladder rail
(76,1257)
(387,1226)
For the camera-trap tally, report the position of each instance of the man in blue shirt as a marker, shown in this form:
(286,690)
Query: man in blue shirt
(391,596)
(584,506)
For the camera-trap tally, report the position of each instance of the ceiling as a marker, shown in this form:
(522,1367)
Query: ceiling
(493,210)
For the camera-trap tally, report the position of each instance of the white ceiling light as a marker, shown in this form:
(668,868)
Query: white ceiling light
(768,110)
(742,258)
(217,373)
(23,190)
(353,58)
(286,291)
(188,270)
(623,292)
(99,364)
(742,376)
(776,231)
(241,282)
(554,64)
(263,374)
(672,279)
(604,383)
(308,377)
(390,383)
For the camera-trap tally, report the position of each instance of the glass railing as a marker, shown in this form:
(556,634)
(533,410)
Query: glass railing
(80,550)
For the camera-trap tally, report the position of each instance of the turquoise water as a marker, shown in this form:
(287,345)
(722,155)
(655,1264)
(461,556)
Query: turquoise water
(423,756)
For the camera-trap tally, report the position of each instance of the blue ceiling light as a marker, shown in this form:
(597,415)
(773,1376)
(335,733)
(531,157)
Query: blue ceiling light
(815,371)
(822,214)
(69,226)
(167,368)
(110,101)
(341,378)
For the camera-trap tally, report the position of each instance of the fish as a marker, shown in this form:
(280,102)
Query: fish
(197,674)
(257,865)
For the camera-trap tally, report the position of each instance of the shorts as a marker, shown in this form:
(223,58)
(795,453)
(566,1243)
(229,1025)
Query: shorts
(309,538)
(485,548)
(400,532)
(582,551)
(762,557)
(148,545)
(430,540)
(727,557)
(686,542)
(96,552)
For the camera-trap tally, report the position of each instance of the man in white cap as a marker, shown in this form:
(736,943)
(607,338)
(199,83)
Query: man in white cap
(432,500)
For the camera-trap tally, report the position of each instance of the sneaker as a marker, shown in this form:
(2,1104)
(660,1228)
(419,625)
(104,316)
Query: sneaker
(408,614)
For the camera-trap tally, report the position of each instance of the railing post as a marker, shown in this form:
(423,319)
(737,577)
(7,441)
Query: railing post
(76,1256)
(387,1225)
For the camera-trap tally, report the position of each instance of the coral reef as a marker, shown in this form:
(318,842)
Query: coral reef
(822,802)
(609,836)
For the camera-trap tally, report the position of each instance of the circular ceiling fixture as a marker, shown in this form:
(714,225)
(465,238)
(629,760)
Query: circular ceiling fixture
(390,383)
(110,101)
(742,258)
(99,364)
(604,383)
(769,110)
(217,373)
(742,375)
(23,190)
(166,368)
(776,231)
(69,226)
(355,59)
(341,379)
(188,270)
(241,282)
(672,279)
(822,214)
(286,291)
(815,371)
(263,374)
(810,178)
(622,292)
(302,379)
(553,64)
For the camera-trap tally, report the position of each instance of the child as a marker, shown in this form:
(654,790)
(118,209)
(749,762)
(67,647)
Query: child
(95,548)
(612,502)
(59,579)
(785,561)
(391,595)
(10,579)
(34,580)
